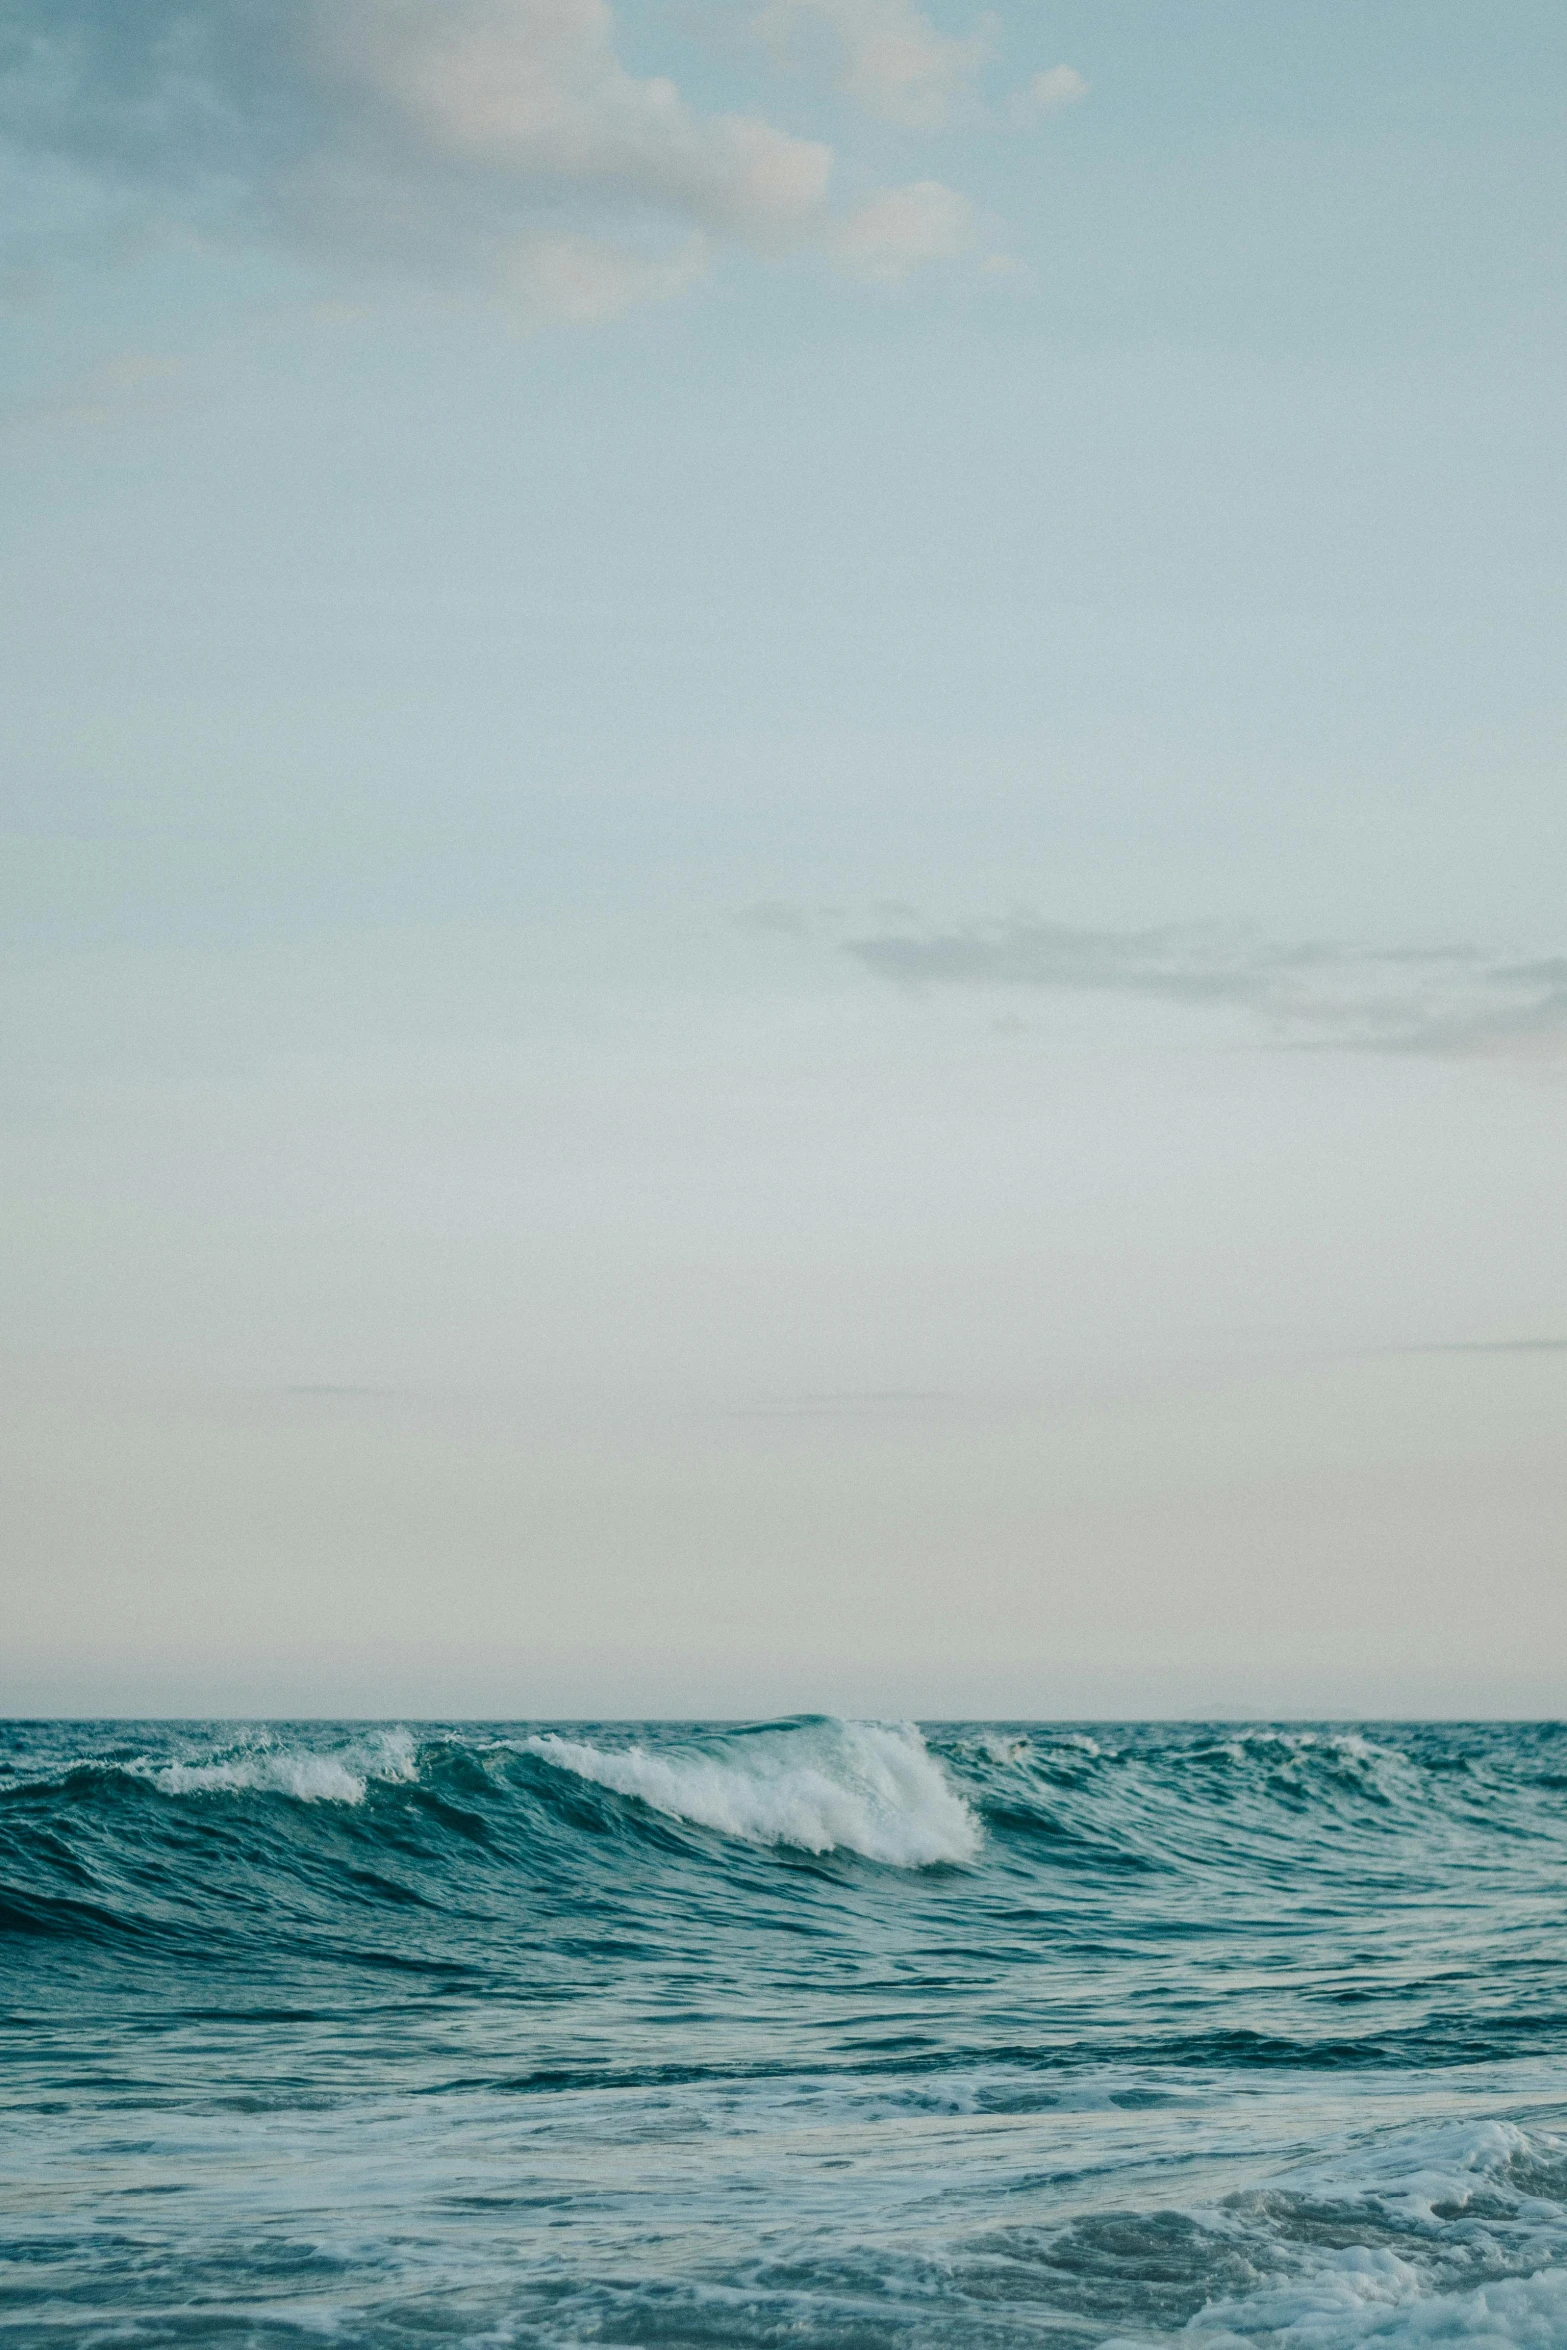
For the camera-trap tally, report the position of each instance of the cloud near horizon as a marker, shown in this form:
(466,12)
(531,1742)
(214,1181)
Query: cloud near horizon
(1450,1000)
(502,142)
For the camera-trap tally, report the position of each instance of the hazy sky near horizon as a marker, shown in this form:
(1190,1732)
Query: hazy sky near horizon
(784,847)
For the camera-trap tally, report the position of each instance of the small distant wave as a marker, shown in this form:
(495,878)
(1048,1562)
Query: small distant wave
(310,1776)
(866,1787)
(1267,1742)
(1000,1746)
(1300,1761)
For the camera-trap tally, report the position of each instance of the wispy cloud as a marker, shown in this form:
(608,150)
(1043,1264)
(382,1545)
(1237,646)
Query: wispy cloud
(1048,92)
(496,141)
(135,379)
(856,1403)
(1493,1346)
(1452,999)
(900,230)
(890,57)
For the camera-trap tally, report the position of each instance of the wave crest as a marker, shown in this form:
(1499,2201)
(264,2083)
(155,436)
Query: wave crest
(868,1787)
(307,1775)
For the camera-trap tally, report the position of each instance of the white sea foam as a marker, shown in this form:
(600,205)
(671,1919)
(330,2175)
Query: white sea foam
(1444,2163)
(1404,2286)
(999,1746)
(307,1774)
(1360,2295)
(868,1787)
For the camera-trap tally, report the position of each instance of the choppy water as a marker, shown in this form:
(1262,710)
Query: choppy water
(817,2034)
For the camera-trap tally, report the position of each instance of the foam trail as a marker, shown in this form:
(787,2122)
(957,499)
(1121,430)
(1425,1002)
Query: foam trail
(865,1787)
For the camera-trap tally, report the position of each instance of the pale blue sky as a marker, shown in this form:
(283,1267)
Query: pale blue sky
(818,814)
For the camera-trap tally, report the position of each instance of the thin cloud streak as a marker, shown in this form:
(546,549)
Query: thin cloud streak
(1492,1346)
(1451,1000)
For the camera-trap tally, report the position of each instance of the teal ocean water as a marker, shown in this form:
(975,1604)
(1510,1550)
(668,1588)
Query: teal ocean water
(819,2034)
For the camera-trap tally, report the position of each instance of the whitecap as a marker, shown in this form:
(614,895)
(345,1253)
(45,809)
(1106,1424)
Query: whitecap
(306,1773)
(868,1787)
(1000,1746)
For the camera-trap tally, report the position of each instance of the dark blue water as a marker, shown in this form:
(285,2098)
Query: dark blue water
(815,2034)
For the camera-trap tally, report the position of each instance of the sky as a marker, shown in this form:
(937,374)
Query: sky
(782,887)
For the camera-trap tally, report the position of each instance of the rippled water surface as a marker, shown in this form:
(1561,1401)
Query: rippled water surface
(823,2034)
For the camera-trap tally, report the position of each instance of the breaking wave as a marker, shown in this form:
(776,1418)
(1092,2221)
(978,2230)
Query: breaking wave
(860,1787)
(265,1766)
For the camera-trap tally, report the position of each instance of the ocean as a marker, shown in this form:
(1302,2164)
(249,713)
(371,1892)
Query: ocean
(822,2034)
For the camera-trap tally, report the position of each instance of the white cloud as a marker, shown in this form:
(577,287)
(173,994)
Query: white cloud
(533,90)
(892,59)
(901,230)
(1048,92)
(497,142)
